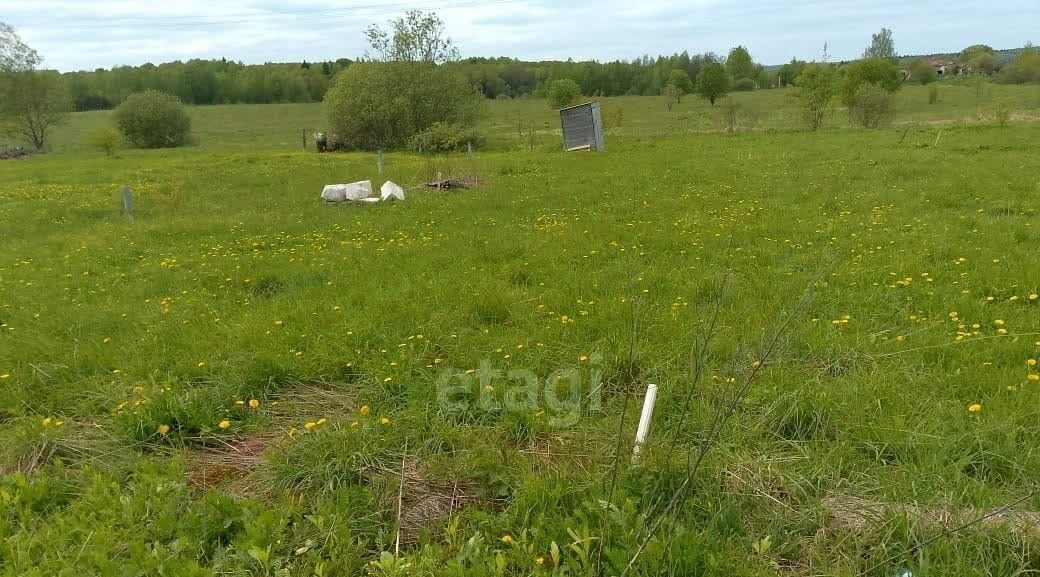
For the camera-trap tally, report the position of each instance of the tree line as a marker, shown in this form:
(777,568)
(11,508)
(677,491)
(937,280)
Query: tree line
(204,82)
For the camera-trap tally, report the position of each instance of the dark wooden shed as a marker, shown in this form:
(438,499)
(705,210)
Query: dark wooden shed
(582,127)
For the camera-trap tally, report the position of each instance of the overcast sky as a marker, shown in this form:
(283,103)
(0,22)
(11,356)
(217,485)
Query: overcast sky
(87,34)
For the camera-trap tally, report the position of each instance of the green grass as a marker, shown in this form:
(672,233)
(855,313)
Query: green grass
(350,326)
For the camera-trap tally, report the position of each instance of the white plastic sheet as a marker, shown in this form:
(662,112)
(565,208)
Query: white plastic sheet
(391,191)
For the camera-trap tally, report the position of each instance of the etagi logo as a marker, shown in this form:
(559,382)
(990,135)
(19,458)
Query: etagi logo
(563,396)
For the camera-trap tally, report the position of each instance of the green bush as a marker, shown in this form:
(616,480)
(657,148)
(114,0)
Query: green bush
(880,71)
(447,137)
(744,85)
(376,105)
(563,93)
(873,106)
(105,139)
(817,85)
(154,119)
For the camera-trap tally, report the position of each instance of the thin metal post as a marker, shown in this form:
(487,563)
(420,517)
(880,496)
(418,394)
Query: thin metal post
(128,202)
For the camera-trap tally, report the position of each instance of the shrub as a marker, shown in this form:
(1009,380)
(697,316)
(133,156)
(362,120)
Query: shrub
(873,106)
(105,139)
(563,93)
(447,137)
(817,85)
(923,72)
(154,119)
(880,71)
(376,105)
(744,85)
(1002,113)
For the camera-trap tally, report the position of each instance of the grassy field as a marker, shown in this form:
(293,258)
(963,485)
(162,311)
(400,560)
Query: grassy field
(240,381)
(529,123)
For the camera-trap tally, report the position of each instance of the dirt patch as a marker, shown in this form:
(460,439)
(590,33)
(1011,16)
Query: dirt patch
(858,515)
(230,465)
(427,502)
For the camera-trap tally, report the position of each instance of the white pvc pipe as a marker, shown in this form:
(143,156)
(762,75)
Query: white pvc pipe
(644,419)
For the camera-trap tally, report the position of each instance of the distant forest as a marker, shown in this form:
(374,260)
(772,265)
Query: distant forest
(227,82)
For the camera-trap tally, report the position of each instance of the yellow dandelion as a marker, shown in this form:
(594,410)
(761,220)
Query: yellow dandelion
(202,364)
(254,404)
(1034,297)
(47,422)
(1034,377)
(5,376)
(507,538)
(1031,362)
(384,421)
(539,560)
(976,408)
(900,338)
(310,425)
(489,389)
(583,358)
(756,364)
(224,424)
(163,429)
(320,422)
(999,322)
(364,410)
(355,425)
(1002,331)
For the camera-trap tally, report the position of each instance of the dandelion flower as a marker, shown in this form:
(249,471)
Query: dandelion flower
(999,322)
(1031,362)
(507,538)
(364,410)
(202,364)
(1034,377)
(278,323)
(384,421)
(163,429)
(47,422)
(976,408)
(310,425)
(1034,297)
(539,560)
(224,424)
(583,358)
(5,376)
(254,404)
(355,425)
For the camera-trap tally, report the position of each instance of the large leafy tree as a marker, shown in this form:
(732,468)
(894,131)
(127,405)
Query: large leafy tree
(881,45)
(414,37)
(740,65)
(32,102)
(15,56)
(679,84)
(408,88)
(712,82)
